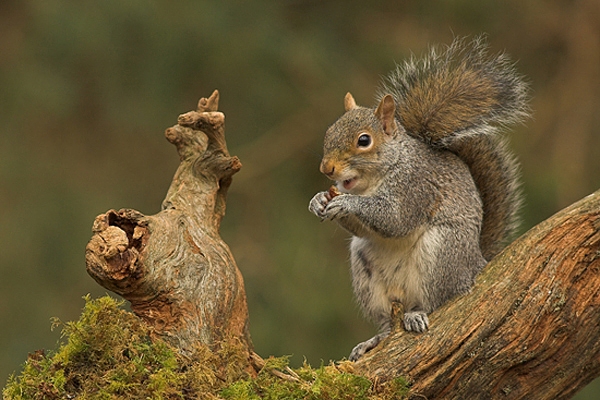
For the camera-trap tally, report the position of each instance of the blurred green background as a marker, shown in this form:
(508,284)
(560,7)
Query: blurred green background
(87,89)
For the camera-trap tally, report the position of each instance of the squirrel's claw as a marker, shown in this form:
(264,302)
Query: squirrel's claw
(318,204)
(325,207)
(416,321)
(336,208)
(360,349)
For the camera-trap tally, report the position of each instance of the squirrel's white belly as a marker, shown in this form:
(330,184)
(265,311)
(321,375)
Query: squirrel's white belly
(398,268)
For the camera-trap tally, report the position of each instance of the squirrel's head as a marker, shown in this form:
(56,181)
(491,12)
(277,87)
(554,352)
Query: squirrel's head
(357,142)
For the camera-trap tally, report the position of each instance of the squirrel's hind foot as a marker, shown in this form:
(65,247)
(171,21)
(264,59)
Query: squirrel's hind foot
(360,349)
(416,321)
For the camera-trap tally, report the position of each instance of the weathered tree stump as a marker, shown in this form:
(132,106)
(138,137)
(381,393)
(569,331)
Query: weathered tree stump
(174,268)
(530,329)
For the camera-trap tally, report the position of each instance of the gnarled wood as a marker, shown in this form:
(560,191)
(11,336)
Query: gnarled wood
(173,267)
(530,328)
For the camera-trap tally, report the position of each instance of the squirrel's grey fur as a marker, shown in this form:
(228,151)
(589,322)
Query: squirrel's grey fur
(429,189)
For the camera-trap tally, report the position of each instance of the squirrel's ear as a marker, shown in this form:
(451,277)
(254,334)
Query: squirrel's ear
(386,112)
(349,102)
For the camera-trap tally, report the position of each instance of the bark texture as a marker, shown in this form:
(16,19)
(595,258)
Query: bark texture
(174,268)
(529,330)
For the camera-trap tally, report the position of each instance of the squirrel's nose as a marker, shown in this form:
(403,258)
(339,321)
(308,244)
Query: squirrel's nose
(327,168)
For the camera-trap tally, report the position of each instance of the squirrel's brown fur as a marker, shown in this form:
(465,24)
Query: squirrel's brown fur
(455,88)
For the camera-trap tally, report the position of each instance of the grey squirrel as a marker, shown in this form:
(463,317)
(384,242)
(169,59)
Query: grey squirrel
(424,182)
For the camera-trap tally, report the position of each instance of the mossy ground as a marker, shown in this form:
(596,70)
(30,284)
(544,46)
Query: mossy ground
(108,354)
(330,382)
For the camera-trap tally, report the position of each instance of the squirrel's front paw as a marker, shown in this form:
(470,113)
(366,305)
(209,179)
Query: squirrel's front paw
(318,203)
(325,207)
(336,208)
(416,321)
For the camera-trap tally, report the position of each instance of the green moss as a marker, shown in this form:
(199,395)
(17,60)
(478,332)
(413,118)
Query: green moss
(331,382)
(108,355)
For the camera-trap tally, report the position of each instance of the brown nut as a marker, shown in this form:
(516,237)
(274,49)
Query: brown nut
(332,192)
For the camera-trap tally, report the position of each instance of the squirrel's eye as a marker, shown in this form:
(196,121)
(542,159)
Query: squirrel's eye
(364,140)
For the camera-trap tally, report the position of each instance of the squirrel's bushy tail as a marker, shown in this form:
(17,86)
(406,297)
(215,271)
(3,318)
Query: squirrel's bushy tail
(496,174)
(457,98)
